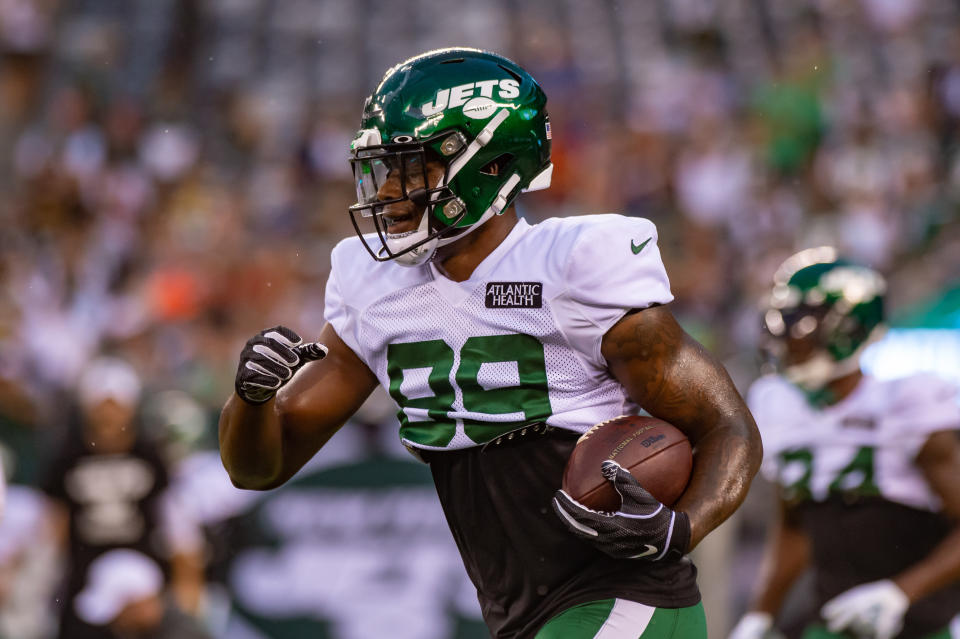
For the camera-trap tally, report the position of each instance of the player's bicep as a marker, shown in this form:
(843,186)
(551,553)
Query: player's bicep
(940,461)
(321,397)
(671,375)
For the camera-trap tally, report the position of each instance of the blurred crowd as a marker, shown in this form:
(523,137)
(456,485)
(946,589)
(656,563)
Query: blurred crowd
(177,176)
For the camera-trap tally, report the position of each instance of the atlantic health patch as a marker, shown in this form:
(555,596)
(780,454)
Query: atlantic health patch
(514,295)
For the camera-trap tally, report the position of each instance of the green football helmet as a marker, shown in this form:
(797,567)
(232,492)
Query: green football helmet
(821,314)
(479,114)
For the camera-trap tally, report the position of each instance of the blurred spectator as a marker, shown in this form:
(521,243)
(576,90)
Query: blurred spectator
(714,175)
(28,566)
(109,488)
(125,592)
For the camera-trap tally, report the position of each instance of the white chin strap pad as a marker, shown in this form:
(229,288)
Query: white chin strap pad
(403,241)
(419,255)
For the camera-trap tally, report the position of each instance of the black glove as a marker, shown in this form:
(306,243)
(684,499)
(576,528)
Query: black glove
(643,528)
(269,360)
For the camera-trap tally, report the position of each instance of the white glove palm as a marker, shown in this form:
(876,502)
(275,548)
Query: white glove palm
(753,625)
(873,610)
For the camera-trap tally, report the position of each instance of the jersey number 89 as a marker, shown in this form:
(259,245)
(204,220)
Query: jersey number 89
(530,396)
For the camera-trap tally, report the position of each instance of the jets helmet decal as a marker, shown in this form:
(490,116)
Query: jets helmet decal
(822,312)
(478,114)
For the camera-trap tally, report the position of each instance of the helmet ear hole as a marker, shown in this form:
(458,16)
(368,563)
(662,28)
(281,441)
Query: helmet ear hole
(496,165)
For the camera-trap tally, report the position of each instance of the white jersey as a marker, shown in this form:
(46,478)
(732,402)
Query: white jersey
(518,343)
(865,444)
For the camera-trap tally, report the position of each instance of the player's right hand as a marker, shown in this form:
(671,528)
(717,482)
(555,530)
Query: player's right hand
(643,528)
(268,361)
(753,625)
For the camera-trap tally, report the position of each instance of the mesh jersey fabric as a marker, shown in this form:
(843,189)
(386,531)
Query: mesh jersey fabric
(467,363)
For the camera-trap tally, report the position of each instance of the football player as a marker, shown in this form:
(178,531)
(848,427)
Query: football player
(502,342)
(868,471)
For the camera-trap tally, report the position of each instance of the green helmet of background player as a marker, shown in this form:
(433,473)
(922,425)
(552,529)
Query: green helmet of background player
(481,115)
(821,314)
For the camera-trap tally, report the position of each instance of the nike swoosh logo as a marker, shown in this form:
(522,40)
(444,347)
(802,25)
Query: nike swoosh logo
(635,248)
(651,550)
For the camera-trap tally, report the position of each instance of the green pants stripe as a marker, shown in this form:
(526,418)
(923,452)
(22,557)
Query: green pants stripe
(622,619)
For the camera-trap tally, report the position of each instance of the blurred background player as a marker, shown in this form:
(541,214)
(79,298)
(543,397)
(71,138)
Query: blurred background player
(867,471)
(108,488)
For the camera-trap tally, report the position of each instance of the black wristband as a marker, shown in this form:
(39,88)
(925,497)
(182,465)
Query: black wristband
(680,539)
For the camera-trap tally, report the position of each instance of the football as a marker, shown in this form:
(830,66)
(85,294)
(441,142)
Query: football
(654,452)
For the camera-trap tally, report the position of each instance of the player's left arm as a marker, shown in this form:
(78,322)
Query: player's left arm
(676,379)
(939,459)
